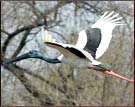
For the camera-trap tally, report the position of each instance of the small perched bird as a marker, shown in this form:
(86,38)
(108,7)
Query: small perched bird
(33,54)
(91,45)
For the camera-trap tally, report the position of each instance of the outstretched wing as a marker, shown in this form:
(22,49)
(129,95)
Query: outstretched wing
(106,24)
(65,49)
(93,41)
(82,40)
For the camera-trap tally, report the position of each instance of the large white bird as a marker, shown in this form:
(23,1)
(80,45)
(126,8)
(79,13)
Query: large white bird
(91,45)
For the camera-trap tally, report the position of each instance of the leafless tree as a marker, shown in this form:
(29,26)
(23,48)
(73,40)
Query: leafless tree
(35,82)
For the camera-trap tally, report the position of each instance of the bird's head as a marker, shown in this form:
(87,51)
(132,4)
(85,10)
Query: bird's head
(33,54)
(30,54)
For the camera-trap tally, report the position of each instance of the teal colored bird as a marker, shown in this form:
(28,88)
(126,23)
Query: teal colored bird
(91,45)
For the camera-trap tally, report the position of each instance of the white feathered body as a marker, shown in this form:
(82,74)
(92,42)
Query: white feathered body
(106,24)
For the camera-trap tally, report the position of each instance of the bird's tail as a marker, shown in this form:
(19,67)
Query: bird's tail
(108,19)
(102,66)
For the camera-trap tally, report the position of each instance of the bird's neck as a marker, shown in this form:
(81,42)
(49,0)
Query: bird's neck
(50,60)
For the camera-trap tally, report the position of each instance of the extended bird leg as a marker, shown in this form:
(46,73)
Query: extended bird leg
(109,72)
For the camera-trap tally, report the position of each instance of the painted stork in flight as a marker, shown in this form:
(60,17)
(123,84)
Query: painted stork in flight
(91,45)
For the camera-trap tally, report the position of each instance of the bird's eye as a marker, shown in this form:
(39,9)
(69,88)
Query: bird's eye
(31,52)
